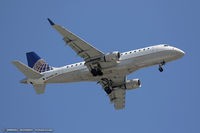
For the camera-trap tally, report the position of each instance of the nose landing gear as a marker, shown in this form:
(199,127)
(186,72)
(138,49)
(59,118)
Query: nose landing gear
(160,69)
(160,66)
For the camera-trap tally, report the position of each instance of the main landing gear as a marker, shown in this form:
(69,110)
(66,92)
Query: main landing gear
(160,66)
(96,72)
(107,90)
(107,85)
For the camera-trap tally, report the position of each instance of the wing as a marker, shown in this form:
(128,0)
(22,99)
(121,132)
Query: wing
(117,94)
(118,97)
(82,48)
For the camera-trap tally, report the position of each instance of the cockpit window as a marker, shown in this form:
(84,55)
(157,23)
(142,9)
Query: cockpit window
(165,45)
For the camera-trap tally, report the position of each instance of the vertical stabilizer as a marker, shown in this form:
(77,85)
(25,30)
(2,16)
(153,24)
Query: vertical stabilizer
(38,64)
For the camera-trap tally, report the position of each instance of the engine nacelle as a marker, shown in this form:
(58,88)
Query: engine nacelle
(132,84)
(114,56)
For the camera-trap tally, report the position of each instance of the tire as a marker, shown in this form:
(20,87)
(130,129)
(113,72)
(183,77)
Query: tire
(99,72)
(94,72)
(160,69)
(108,90)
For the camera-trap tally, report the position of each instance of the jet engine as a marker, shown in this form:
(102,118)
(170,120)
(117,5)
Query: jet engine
(113,56)
(132,84)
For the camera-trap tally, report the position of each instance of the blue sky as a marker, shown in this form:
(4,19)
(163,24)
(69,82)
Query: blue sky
(166,102)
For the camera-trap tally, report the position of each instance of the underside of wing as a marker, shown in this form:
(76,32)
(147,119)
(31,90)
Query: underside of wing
(117,97)
(115,89)
(82,48)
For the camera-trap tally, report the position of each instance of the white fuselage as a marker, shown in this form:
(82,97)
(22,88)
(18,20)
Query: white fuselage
(129,62)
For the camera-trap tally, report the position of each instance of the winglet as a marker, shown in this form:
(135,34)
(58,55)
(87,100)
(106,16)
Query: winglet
(51,22)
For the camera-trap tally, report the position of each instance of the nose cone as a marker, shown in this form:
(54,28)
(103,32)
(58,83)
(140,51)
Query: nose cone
(179,53)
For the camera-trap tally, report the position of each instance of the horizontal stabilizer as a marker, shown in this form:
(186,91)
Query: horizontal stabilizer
(27,71)
(39,88)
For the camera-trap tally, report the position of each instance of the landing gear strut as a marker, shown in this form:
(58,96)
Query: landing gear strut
(160,66)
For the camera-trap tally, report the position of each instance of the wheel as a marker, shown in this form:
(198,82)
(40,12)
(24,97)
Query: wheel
(160,69)
(94,72)
(108,90)
(99,72)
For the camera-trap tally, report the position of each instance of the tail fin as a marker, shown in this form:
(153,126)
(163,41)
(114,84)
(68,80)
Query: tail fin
(27,71)
(38,64)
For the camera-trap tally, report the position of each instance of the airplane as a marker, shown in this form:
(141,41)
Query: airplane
(109,70)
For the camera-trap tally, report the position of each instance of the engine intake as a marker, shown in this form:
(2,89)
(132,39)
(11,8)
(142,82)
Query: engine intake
(132,84)
(114,56)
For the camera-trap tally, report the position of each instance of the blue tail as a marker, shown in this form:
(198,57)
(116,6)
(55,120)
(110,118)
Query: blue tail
(38,64)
